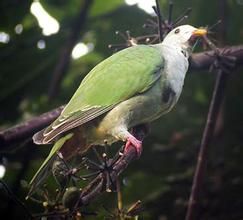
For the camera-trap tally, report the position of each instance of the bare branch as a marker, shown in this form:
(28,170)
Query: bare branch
(216,101)
(160,20)
(26,129)
(202,61)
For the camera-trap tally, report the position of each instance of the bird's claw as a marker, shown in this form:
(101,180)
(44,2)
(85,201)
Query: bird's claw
(134,142)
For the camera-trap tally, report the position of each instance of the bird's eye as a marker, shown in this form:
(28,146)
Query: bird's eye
(177,31)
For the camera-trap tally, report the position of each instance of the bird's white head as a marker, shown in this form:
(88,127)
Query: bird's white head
(183,37)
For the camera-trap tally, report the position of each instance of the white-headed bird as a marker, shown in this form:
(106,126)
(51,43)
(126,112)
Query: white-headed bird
(134,86)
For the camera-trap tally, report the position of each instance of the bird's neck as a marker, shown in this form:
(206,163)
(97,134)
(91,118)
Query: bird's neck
(176,65)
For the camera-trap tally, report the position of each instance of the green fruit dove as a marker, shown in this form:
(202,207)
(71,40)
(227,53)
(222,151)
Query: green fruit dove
(134,86)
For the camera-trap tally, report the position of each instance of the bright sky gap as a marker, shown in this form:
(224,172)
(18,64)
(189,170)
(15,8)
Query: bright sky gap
(4,37)
(81,49)
(48,24)
(146,5)
(2,171)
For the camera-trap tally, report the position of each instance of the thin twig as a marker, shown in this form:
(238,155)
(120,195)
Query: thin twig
(216,101)
(160,20)
(182,17)
(170,12)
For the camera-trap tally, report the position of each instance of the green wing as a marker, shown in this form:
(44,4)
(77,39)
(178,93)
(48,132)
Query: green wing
(116,79)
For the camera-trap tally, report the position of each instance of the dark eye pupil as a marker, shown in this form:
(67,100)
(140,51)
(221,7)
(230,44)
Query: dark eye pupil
(177,31)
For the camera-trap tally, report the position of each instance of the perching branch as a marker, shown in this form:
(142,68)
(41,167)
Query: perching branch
(18,133)
(94,188)
(64,58)
(26,129)
(102,182)
(203,60)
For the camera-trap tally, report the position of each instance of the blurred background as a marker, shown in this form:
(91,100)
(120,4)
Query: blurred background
(47,47)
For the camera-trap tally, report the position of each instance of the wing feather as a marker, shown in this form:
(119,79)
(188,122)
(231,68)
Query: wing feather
(71,123)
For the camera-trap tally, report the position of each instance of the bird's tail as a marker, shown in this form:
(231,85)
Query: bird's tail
(45,168)
(38,137)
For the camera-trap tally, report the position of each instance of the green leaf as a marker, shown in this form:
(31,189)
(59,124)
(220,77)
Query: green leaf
(100,7)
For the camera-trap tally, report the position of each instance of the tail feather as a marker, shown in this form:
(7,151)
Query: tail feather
(38,137)
(44,170)
(47,135)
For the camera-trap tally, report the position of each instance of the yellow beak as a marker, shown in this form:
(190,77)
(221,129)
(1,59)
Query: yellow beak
(199,32)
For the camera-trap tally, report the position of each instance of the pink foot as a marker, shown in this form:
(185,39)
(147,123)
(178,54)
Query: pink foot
(134,142)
